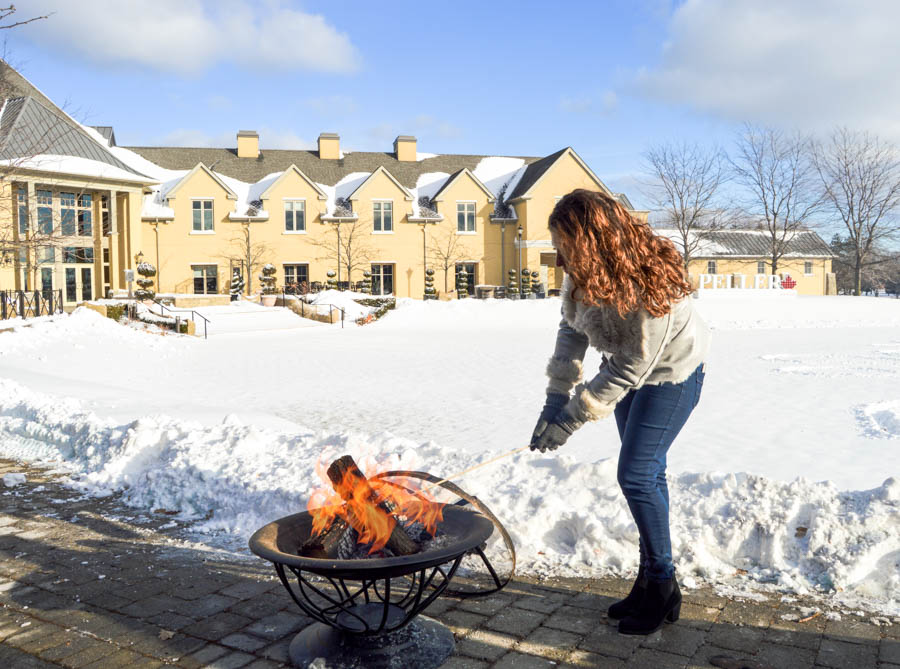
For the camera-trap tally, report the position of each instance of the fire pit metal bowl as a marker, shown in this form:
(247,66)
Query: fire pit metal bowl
(367,608)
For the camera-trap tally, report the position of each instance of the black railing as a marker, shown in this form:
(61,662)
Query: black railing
(177,317)
(30,303)
(313,308)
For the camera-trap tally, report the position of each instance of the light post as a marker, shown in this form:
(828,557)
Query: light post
(519,232)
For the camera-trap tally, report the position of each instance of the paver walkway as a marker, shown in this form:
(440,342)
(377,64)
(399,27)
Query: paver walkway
(90,583)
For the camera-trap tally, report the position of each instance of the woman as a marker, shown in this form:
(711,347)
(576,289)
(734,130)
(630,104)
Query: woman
(626,295)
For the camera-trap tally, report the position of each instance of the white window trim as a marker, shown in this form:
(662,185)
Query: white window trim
(305,219)
(467,232)
(805,273)
(382,232)
(213,211)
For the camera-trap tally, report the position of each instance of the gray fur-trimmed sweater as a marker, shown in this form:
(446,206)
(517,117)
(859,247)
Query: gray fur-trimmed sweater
(637,350)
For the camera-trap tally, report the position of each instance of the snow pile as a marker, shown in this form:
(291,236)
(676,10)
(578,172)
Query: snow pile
(343,299)
(565,517)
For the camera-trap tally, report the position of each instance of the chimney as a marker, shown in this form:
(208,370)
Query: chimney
(405,148)
(329,146)
(248,144)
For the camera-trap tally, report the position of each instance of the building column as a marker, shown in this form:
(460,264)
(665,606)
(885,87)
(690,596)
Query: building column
(27,269)
(113,240)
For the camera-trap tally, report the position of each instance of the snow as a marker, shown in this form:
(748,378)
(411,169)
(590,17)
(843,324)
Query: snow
(142,165)
(343,188)
(497,171)
(427,185)
(420,156)
(787,470)
(346,300)
(72,165)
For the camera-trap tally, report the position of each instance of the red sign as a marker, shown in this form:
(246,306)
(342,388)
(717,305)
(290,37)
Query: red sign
(788,283)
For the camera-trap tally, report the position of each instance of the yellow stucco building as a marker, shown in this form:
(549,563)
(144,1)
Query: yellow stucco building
(82,211)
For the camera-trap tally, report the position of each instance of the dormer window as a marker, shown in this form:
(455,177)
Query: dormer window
(203,215)
(465,217)
(383,216)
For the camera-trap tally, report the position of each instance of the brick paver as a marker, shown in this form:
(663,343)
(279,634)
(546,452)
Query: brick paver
(91,583)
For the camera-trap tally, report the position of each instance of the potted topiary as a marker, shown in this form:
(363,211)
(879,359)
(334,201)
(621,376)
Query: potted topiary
(267,279)
(145,293)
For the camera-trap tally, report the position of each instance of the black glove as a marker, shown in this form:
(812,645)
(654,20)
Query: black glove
(554,404)
(555,425)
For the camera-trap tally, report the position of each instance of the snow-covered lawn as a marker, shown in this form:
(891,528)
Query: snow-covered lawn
(784,471)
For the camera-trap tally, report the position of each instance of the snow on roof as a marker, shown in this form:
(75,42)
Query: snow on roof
(343,188)
(426,186)
(73,165)
(500,175)
(144,166)
(420,156)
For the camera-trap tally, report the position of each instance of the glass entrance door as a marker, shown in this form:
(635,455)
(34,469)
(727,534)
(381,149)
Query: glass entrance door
(79,285)
(382,279)
(46,282)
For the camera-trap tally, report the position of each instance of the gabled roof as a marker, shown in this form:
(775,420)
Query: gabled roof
(381,170)
(454,177)
(230,194)
(294,169)
(536,171)
(29,129)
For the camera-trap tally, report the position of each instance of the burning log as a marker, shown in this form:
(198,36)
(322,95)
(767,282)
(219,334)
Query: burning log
(351,484)
(326,544)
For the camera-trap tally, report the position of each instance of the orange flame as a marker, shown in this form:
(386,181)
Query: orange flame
(362,503)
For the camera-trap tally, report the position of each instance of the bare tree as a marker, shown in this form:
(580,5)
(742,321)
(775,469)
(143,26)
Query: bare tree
(780,181)
(349,246)
(9,10)
(249,253)
(860,177)
(684,182)
(446,249)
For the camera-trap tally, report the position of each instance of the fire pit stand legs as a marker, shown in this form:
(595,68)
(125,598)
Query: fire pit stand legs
(370,623)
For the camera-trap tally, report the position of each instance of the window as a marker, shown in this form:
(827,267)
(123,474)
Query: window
(46,281)
(294,216)
(382,279)
(85,228)
(203,216)
(294,275)
(467,268)
(104,215)
(761,267)
(75,254)
(383,215)
(106,267)
(205,279)
(86,292)
(22,201)
(67,213)
(45,211)
(465,217)
(711,267)
(47,255)
(807,268)
(71,292)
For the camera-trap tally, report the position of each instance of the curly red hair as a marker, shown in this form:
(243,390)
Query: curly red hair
(615,259)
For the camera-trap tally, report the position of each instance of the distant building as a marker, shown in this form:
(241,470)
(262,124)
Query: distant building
(742,259)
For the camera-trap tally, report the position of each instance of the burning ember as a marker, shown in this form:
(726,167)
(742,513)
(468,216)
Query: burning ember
(374,514)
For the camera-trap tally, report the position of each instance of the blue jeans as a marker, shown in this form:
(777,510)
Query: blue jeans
(649,419)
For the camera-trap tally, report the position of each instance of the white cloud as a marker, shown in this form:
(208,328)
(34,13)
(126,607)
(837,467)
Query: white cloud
(189,36)
(603,105)
(806,63)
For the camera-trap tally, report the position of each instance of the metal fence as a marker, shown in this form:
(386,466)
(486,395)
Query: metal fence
(30,303)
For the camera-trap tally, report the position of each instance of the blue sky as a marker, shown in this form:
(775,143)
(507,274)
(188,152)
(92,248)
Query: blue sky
(510,78)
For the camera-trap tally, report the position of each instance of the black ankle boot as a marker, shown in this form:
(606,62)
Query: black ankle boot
(661,603)
(630,605)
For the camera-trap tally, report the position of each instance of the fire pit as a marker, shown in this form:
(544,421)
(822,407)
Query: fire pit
(367,608)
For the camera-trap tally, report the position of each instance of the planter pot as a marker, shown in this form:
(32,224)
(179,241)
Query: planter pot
(268,300)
